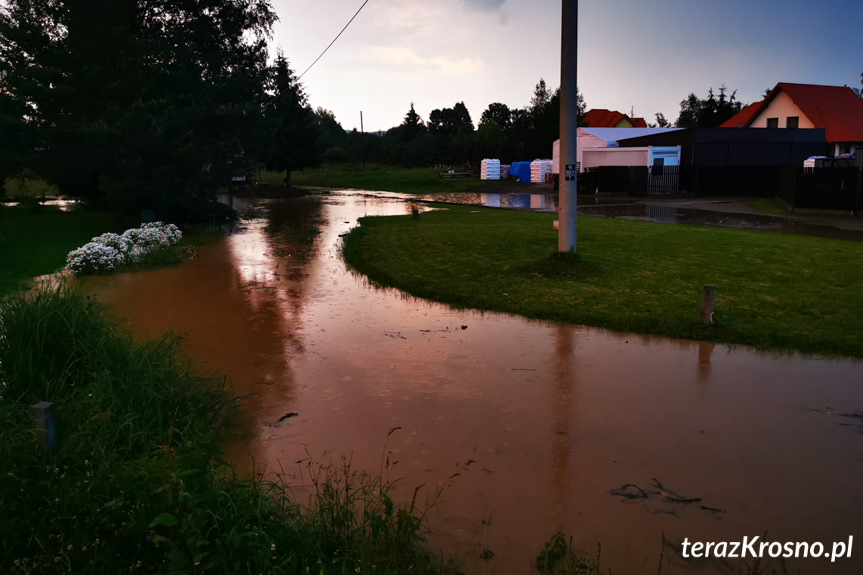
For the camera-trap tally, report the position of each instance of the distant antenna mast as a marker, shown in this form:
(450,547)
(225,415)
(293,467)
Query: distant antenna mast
(361,122)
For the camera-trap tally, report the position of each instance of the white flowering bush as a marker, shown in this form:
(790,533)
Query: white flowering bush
(106,253)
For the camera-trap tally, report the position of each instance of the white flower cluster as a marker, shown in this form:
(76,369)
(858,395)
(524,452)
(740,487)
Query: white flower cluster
(109,251)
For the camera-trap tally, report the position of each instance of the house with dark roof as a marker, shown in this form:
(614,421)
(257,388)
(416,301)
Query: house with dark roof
(602,118)
(835,109)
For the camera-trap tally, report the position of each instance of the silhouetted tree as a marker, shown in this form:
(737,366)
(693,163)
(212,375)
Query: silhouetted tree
(450,121)
(290,124)
(661,122)
(710,112)
(412,125)
(135,103)
(498,114)
(541,97)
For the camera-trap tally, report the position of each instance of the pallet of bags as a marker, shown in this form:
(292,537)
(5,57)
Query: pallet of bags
(538,170)
(490,169)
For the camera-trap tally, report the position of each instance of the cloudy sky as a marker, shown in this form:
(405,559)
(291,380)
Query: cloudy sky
(645,55)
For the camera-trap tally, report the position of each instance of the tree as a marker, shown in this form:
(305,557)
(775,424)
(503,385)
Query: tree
(710,112)
(498,114)
(412,125)
(541,97)
(291,125)
(136,103)
(661,122)
(450,121)
(331,138)
(859,91)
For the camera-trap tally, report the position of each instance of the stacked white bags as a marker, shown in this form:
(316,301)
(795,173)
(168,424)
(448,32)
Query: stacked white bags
(538,170)
(490,170)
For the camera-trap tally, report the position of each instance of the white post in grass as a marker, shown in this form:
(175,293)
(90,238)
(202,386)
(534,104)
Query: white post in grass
(568,202)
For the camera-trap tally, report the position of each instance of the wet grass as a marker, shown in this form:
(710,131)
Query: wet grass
(379,178)
(135,484)
(34,240)
(774,291)
(769,206)
(23,189)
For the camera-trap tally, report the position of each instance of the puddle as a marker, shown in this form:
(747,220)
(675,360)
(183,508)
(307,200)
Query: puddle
(547,424)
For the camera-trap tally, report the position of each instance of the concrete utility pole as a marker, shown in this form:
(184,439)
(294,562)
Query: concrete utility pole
(568,202)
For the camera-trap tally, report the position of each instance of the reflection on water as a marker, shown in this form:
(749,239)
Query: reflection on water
(538,202)
(63,204)
(542,420)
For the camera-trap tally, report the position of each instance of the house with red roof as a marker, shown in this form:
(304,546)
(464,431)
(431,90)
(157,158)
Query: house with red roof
(835,109)
(602,118)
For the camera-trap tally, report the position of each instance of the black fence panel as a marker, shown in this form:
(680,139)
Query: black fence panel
(747,181)
(827,189)
(623,180)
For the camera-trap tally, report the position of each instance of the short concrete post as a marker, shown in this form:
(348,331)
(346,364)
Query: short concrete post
(708,296)
(44,415)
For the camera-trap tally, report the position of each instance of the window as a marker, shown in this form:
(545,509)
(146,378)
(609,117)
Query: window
(792,122)
(772,122)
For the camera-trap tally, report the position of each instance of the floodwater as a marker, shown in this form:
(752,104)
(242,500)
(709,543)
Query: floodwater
(545,423)
(657,210)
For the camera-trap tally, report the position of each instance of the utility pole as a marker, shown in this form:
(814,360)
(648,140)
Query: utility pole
(361,122)
(568,202)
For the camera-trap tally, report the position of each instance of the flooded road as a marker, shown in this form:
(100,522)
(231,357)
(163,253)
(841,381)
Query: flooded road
(608,437)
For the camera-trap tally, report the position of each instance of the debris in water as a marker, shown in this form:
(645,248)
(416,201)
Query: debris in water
(285,417)
(659,494)
(630,491)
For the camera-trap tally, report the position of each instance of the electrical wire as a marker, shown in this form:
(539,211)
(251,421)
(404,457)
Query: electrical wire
(334,40)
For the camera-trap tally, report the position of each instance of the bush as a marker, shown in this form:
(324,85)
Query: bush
(109,252)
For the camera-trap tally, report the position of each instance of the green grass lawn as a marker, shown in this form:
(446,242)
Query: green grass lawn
(379,178)
(774,291)
(35,240)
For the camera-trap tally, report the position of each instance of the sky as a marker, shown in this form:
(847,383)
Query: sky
(641,56)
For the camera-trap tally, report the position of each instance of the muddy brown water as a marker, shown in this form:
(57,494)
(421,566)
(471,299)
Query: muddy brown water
(545,423)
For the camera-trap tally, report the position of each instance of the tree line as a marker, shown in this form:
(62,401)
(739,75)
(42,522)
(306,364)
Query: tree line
(448,136)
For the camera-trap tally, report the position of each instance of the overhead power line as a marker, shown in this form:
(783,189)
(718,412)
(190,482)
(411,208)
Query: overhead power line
(334,40)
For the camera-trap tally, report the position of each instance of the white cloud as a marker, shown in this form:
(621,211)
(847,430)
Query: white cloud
(407,57)
(484,5)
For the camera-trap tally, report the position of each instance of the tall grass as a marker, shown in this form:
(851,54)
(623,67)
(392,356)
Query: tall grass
(136,484)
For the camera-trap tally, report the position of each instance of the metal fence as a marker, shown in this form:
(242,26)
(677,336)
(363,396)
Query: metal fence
(833,188)
(639,180)
(826,188)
